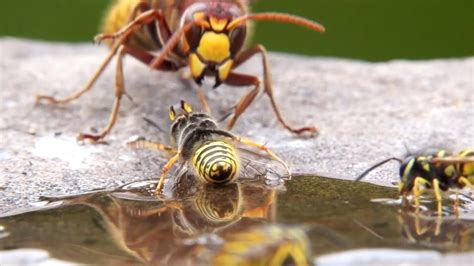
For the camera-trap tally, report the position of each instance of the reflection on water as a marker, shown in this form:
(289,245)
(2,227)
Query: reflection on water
(241,222)
(445,233)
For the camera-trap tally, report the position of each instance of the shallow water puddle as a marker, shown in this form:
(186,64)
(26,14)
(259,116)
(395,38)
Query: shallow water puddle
(312,216)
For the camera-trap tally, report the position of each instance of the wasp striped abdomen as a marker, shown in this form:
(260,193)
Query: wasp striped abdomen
(216,162)
(199,143)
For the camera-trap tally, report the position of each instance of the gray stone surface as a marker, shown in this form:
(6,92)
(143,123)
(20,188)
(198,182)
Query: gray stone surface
(365,112)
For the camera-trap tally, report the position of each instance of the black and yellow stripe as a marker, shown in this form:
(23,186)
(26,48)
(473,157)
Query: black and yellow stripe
(219,204)
(216,162)
(466,168)
(456,166)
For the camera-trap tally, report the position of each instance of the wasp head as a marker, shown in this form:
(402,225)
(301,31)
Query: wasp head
(406,175)
(214,40)
(411,168)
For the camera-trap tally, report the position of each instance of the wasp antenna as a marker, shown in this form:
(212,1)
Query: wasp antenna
(375,166)
(407,149)
(172,113)
(281,17)
(171,44)
(153,123)
(186,107)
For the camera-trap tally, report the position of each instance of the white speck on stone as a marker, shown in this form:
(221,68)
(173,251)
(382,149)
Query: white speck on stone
(29,257)
(10,104)
(65,149)
(3,154)
(125,158)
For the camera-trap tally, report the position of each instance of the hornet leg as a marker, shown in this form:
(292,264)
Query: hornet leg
(236,79)
(87,86)
(119,91)
(90,83)
(268,88)
(202,99)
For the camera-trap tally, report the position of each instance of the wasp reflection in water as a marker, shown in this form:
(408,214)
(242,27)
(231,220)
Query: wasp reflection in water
(437,233)
(146,230)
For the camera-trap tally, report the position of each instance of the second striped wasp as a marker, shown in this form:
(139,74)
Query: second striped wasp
(198,142)
(438,170)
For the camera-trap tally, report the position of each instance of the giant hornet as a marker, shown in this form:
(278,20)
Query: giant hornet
(209,151)
(437,169)
(208,36)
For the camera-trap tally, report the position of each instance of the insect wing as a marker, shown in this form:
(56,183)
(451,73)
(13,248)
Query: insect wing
(254,165)
(453,159)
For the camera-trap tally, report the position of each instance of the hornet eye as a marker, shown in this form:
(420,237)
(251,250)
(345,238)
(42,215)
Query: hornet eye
(237,39)
(193,36)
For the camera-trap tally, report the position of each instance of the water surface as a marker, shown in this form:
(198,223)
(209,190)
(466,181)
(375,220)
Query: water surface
(130,225)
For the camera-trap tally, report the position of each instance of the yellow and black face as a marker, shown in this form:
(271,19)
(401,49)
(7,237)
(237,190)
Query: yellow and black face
(213,42)
(406,175)
(411,168)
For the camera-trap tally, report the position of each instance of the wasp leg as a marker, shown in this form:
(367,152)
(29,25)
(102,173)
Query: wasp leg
(146,57)
(438,197)
(405,227)
(52,100)
(165,32)
(420,230)
(142,56)
(463,180)
(87,86)
(417,191)
(268,88)
(456,204)
(237,79)
(119,85)
(439,202)
(439,222)
(146,17)
(202,99)
(165,171)
(262,147)
(141,144)
(119,91)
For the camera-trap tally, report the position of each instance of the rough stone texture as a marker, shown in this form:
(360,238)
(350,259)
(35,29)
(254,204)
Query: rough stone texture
(365,111)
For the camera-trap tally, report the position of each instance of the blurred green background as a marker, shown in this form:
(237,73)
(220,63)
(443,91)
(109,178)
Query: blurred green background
(373,30)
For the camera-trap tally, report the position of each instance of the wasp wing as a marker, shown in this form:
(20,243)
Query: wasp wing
(256,165)
(453,159)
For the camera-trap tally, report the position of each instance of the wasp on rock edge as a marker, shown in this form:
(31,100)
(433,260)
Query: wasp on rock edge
(206,35)
(438,170)
(210,151)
